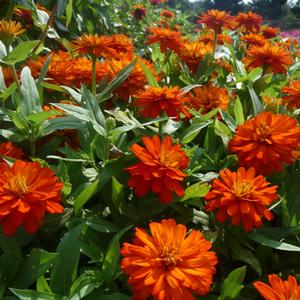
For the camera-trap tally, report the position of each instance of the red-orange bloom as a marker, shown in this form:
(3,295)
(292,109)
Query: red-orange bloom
(217,20)
(248,22)
(208,98)
(267,142)
(166,14)
(253,39)
(10,150)
(167,39)
(209,39)
(169,264)
(273,57)
(241,196)
(160,169)
(270,32)
(278,289)
(27,192)
(139,11)
(292,99)
(152,101)
(192,53)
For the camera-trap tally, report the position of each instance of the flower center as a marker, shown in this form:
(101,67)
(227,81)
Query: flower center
(18,185)
(243,190)
(263,134)
(170,255)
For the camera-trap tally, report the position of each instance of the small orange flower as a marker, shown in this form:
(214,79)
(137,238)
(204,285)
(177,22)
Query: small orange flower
(278,289)
(169,263)
(241,196)
(122,44)
(267,142)
(273,57)
(248,22)
(207,98)
(167,39)
(9,30)
(152,101)
(253,39)
(166,14)
(27,192)
(160,169)
(217,20)
(271,103)
(292,99)
(192,53)
(7,75)
(10,150)
(209,39)
(270,32)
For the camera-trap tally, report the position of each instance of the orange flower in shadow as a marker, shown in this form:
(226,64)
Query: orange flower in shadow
(152,101)
(168,263)
(208,38)
(292,98)
(248,22)
(167,39)
(267,142)
(278,289)
(207,98)
(9,30)
(270,32)
(241,196)
(217,20)
(10,150)
(253,39)
(160,169)
(27,192)
(272,57)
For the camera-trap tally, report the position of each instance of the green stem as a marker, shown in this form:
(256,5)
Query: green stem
(94,61)
(16,77)
(32,141)
(215,43)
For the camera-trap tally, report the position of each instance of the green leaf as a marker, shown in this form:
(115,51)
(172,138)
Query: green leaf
(197,190)
(256,103)
(69,12)
(30,102)
(115,296)
(151,79)
(278,233)
(192,131)
(111,260)
(34,295)
(238,111)
(117,81)
(42,116)
(292,188)
(272,243)
(20,53)
(44,70)
(8,91)
(64,271)
(86,195)
(101,225)
(255,74)
(233,284)
(33,267)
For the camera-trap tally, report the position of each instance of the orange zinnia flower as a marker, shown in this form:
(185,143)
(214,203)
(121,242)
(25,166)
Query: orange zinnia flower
(270,32)
(160,169)
(9,30)
(267,142)
(167,39)
(253,39)
(279,290)
(154,100)
(10,150)
(273,57)
(248,22)
(217,20)
(27,192)
(271,103)
(8,76)
(192,53)
(122,44)
(292,99)
(241,196)
(167,14)
(208,98)
(209,39)
(168,264)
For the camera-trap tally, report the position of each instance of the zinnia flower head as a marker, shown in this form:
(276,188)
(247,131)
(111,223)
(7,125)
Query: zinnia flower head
(167,39)
(192,53)
(270,32)
(241,196)
(27,192)
(267,142)
(8,75)
(292,98)
(208,38)
(273,57)
(10,150)
(168,263)
(9,30)
(207,98)
(253,39)
(271,103)
(160,168)
(278,289)
(152,101)
(139,11)
(166,14)
(248,22)
(156,2)
(217,20)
